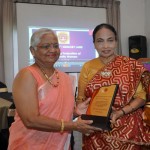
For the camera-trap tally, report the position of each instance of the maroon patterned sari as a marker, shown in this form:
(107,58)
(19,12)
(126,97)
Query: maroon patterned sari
(129,132)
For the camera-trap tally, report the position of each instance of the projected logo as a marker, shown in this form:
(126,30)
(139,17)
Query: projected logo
(63,37)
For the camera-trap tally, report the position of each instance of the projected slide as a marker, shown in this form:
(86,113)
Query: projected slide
(76,48)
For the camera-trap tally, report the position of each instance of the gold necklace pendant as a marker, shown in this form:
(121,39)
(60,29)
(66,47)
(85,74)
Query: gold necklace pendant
(49,79)
(106,73)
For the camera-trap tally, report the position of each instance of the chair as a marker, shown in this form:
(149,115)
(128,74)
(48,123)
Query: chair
(3,87)
(3,132)
(4,92)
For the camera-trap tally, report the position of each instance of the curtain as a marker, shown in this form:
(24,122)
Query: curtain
(47,2)
(1,44)
(6,41)
(112,12)
(8,36)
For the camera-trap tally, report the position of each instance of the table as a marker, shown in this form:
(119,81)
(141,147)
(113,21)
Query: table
(4,106)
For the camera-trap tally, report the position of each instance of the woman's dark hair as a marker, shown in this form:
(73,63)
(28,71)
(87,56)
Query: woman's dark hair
(104,25)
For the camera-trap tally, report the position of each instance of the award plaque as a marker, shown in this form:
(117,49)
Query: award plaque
(100,106)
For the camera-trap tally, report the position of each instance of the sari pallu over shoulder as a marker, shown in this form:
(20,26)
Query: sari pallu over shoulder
(125,71)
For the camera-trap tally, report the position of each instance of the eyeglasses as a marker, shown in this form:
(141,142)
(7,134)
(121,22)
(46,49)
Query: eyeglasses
(48,46)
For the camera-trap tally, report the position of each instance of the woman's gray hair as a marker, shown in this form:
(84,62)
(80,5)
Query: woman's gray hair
(36,36)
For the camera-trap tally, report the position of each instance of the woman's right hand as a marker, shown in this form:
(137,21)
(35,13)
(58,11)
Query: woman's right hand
(84,126)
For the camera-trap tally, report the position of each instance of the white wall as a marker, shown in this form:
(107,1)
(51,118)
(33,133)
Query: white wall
(147,25)
(135,20)
(132,21)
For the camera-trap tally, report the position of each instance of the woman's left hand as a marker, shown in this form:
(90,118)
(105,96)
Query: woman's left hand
(115,115)
(81,108)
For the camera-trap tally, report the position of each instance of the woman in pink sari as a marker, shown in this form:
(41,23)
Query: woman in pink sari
(44,101)
(129,132)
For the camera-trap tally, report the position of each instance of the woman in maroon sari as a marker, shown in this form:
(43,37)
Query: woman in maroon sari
(128,129)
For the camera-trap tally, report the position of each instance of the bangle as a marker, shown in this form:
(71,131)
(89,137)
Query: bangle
(123,111)
(62,126)
(147,104)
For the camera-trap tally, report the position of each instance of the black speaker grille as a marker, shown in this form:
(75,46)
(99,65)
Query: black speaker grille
(137,47)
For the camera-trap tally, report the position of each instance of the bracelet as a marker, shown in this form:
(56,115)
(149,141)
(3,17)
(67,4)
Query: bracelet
(123,111)
(62,126)
(147,104)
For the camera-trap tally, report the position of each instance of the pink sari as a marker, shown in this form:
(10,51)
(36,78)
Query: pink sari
(54,102)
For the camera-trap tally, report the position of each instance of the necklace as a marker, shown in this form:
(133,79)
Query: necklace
(49,79)
(106,73)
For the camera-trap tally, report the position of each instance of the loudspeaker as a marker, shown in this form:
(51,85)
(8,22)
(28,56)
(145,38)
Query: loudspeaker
(137,47)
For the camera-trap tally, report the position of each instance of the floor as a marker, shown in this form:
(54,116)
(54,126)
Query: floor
(77,140)
(4,134)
